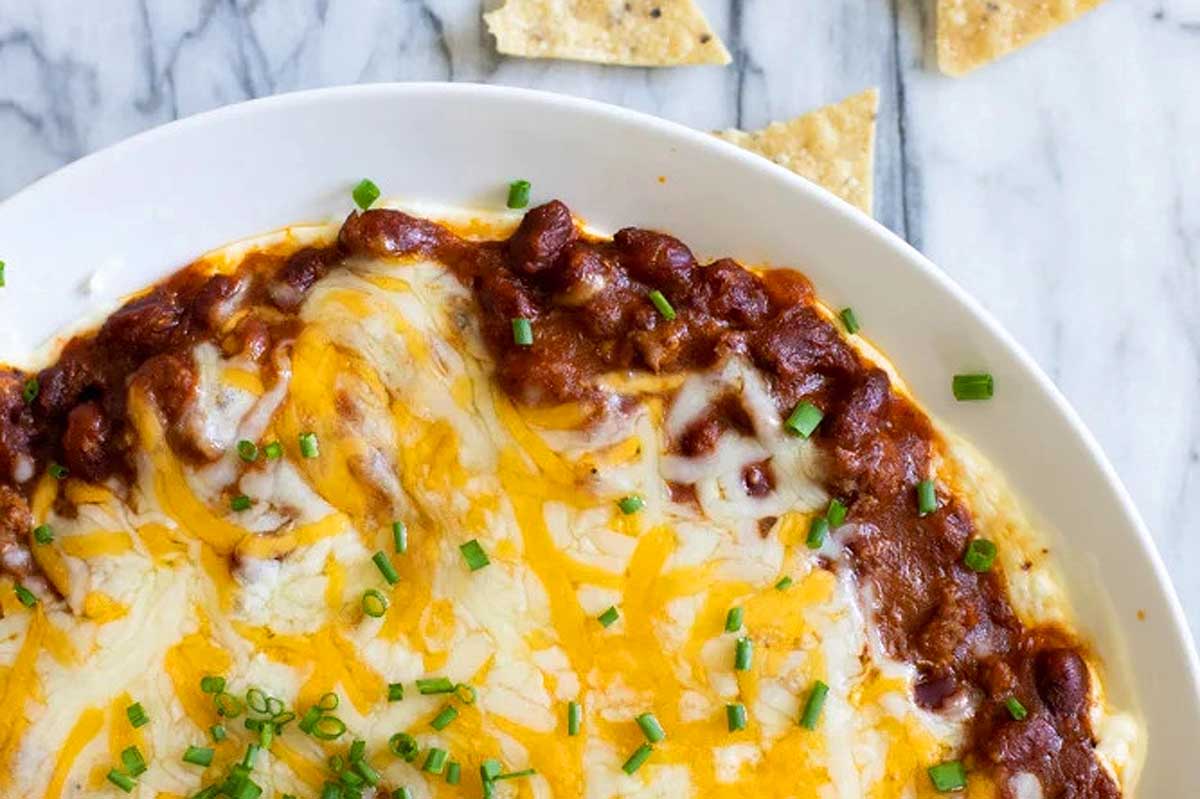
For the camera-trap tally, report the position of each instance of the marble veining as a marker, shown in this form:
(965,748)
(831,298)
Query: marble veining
(1060,186)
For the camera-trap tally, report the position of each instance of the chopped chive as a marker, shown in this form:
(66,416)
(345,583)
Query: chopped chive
(512,775)
(273,451)
(358,750)
(435,685)
(981,554)
(444,718)
(631,504)
(212,685)
(435,761)
(609,617)
(198,756)
(574,718)
(490,769)
(240,502)
(266,735)
(638,758)
(58,471)
(367,772)
(453,773)
(133,762)
(374,604)
(247,451)
(25,596)
(118,779)
(518,193)
(733,620)
(256,700)
(836,513)
(812,708)
(386,568)
(309,447)
(329,701)
(365,194)
(735,715)
(217,732)
(1015,708)
(43,534)
(251,755)
(849,320)
(783,583)
(395,691)
(818,528)
(350,779)
(948,776)
(465,693)
(522,331)
(402,793)
(212,791)
(228,705)
(331,790)
(473,554)
(663,305)
(804,419)
(137,715)
(399,537)
(973,387)
(30,392)
(328,728)
(926,498)
(310,719)
(1,274)
(650,727)
(404,746)
(743,653)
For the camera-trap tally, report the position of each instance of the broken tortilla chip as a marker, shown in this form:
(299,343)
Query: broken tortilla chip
(971,33)
(643,33)
(833,146)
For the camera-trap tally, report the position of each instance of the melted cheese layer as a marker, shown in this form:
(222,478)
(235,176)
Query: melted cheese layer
(389,372)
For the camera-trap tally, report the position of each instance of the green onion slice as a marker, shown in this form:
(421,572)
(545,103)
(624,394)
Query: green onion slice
(948,776)
(518,193)
(1015,708)
(435,685)
(365,194)
(328,701)
(273,451)
(733,620)
(818,529)
(638,758)
(133,762)
(43,534)
(404,746)
(58,471)
(784,583)
(812,708)
(849,320)
(218,732)
(444,718)
(31,390)
(736,716)
(465,693)
(137,715)
(609,617)
(240,503)
(631,504)
(743,653)
(453,772)
(973,387)
(651,728)
(374,603)
(574,718)
(512,775)
(309,446)
(247,451)
(804,419)
(981,554)
(836,513)
(228,705)
(926,498)
(210,684)
(435,761)
(400,537)
(663,305)
(395,691)
(118,779)
(198,756)
(256,700)
(473,554)
(329,728)
(25,596)
(386,568)
(522,331)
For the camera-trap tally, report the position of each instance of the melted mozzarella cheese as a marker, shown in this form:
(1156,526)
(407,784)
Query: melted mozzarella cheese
(389,371)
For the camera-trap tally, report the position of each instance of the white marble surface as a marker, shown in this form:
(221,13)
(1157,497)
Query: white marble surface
(1060,186)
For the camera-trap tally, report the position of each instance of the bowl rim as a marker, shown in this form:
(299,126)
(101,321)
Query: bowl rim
(865,225)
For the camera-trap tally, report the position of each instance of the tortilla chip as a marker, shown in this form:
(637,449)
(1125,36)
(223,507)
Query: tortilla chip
(833,146)
(641,33)
(971,33)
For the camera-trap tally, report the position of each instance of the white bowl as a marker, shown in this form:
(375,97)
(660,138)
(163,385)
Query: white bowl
(139,210)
